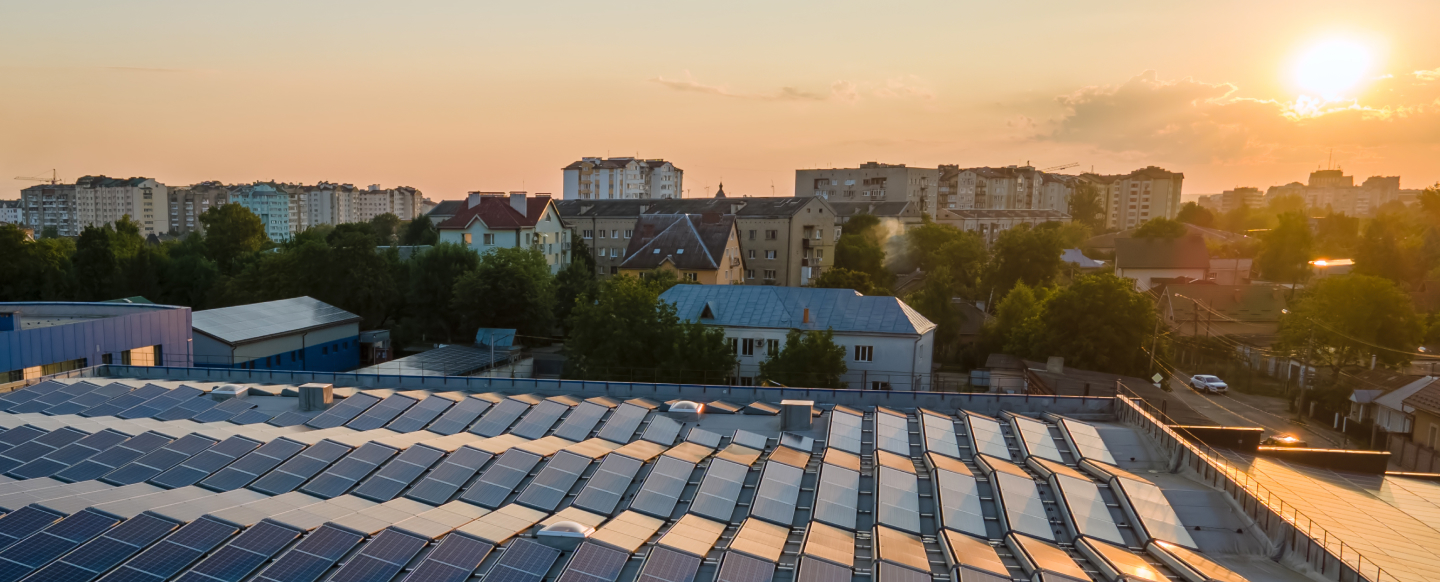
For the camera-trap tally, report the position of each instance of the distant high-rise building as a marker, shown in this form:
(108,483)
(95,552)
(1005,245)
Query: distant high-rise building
(51,206)
(1332,190)
(872,181)
(622,179)
(268,202)
(1139,196)
(189,202)
(1241,196)
(1007,188)
(103,200)
(10,212)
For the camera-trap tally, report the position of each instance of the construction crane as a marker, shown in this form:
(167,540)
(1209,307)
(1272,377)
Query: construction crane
(53,179)
(1061,167)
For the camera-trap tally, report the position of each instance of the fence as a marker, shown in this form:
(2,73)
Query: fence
(1284,524)
(1412,456)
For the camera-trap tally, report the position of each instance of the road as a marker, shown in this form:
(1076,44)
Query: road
(1239,409)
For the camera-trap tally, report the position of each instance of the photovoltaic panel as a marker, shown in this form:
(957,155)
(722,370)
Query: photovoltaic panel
(38,447)
(101,554)
(622,423)
(749,439)
(395,476)
(775,497)
(382,413)
(499,418)
(313,556)
(893,573)
(662,487)
(813,570)
(581,422)
(113,457)
(897,499)
(666,565)
(441,484)
(92,398)
(719,489)
(189,408)
(159,460)
(593,562)
(549,487)
(69,455)
(837,496)
(161,403)
(1035,438)
(253,465)
(18,436)
(421,414)
(523,561)
(497,482)
(237,559)
(939,433)
(256,417)
(12,399)
(53,398)
(338,479)
(703,437)
(300,468)
(52,542)
(224,410)
(125,402)
(892,433)
(607,484)
(381,558)
(206,463)
(662,430)
(986,436)
(739,567)
(538,421)
(343,412)
(460,416)
(21,523)
(453,560)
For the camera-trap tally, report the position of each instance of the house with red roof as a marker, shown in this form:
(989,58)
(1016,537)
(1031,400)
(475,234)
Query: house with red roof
(490,220)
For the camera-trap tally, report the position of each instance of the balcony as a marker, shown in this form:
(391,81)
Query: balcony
(805,243)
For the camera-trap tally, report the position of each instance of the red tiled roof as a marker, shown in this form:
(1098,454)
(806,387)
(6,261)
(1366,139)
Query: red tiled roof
(497,214)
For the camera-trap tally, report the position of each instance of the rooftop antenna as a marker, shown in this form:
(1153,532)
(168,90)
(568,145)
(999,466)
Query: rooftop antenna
(1331,160)
(772,187)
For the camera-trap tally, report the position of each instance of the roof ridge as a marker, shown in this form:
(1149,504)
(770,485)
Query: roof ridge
(701,240)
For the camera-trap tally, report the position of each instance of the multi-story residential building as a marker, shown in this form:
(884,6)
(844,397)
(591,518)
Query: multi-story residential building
(103,200)
(51,206)
(492,220)
(990,223)
(698,248)
(10,212)
(268,202)
(343,203)
(1134,198)
(1007,188)
(622,179)
(1241,196)
(189,202)
(1333,190)
(872,181)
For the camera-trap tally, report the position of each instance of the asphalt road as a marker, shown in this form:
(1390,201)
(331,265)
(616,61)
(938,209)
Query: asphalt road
(1239,409)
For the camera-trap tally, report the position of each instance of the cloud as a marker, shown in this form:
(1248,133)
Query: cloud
(843,91)
(907,87)
(1428,76)
(145,70)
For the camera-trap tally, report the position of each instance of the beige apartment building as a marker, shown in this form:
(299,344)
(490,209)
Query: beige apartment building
(622,179)
(1007,188)
(102,200)
(187,203)
(872,182)
(1131,199)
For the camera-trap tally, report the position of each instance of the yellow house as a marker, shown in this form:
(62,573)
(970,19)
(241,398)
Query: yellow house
(703,248)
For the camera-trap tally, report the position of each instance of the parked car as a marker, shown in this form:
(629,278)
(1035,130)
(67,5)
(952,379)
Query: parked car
(1208,384)
(1284,440)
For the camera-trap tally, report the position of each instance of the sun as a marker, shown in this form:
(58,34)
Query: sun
(1332,70)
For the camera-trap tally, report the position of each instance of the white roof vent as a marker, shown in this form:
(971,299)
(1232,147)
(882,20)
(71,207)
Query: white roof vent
(566,529)
(687,406)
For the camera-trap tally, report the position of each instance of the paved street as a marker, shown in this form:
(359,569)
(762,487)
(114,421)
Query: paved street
(1239,409)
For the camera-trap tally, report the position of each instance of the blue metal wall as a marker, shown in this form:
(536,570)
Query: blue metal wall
(138,326)
(341,355)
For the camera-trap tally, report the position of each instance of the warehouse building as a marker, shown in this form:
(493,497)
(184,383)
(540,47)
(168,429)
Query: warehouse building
(40,338)
(290,334)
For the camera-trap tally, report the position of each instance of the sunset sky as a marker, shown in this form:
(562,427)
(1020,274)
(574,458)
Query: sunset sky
(470,95)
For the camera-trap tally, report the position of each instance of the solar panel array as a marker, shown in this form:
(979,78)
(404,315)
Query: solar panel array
(607,485)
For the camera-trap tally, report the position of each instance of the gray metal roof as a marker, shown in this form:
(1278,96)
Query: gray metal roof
(452,360)
(842,310)
(247,323)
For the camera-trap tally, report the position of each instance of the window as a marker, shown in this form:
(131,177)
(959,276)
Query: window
(324,350)
(587,234)
(465,238)
(747,380)
(770,274)
(837,233)
(614,234)
(752,254)
(770,255)
(692,277)
(602,234)
(749,273)
(772,347)
(772,234)
(629,233)
(734,345)
(1434,435)
(489,238)
(600,270)
(864,353)
(747,347)
(752,235)
(819,253)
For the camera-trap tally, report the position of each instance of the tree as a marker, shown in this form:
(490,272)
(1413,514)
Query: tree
(34,270)
(810,359)
(1160,227)
(1285,250)
(432,287)
(628,333)
(96,265)
(511,288)
(1342,322)
(232,233)
(189,276)
(386,228)
(1192,213)
(838,278)
(934,300)
(1023,255)
(862,249)
(576,282)
(126,240)
(1384,251)
(1016,325)
(1086,208)
(1284,203)
(1336,236)
(1071,234)
(932,246)
(1098,323)
(420,231)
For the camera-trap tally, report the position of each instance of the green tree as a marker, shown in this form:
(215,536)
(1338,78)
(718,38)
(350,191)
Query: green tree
(628,333)
(96,266)
(232,233)
(50,232)
(932,246)
(35,270)
(432,288)
(1336,236)
(809,359)
(838,278)
(1098,323)
(934,300)
(1160,227)
(1192,213)
(386,228)
(420,231)
(1071,234)
(510,288)
(1385,251)
(189,275)
(1285,250)
(1342,322)
(1023,255)
(576,282)
(1085,206)
(1284,203)
(861,248)
(126,240)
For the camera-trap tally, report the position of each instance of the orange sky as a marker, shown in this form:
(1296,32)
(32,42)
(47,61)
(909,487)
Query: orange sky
(457,96)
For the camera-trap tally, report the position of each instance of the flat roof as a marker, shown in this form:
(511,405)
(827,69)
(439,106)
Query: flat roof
(258,321)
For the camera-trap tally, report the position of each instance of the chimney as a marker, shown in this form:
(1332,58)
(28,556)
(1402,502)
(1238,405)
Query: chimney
(473,200)
(806,317)
(517,201)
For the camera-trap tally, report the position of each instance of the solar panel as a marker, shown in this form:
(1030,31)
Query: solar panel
(257,417)
(21,523)
(538,421)
(607,484)
(622,424)
(523,561)
(188,409)
(339,478)
(594,563)
(892,433)
(251,466)
(662,430)
(107,551)
(719,489)
(206,463)
(499,418)
(986,437)
(441,484)
(939,435)
(836,496)
(159,460)
(453,561)
(662,487)
(237,559)
(124,402)
(116,456)
(399,473)
(553,482)
(38,447)
(959,502)
(739,567)
(382,413)
(749,439)
(845,431)
(300,468)
(897,500)
(497,482)
(894,573)
(12,399)
(313,556)
(53,398)
(224,410)
(666,565)
(460,416)
(779,489)
(381,558)
(69,455)
(18,436)
(581,422)
(421,414)
(161,403)
(343,412)
(52,542)
(813,570)
(92,398)
(703,437)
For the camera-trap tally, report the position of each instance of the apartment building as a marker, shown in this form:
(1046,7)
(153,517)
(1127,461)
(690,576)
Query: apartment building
(622,179)
(102,200)
(1007,188)
(492,220)
(872,182)
(51,206)
(187,203)
(1241,196)
(1134,198)
(11,213)
(270,203)
(698,248)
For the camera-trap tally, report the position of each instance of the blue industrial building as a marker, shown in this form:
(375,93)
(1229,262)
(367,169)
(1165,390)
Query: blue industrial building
(291,334)
(39,338)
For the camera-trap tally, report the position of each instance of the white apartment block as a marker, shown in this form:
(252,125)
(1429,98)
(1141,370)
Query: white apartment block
(872,182)
(51,205)
(1139,196)
(622,179)
(1007,188)
(10,212)
(102,200)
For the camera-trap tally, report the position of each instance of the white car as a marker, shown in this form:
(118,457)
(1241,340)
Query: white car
(1208,384)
